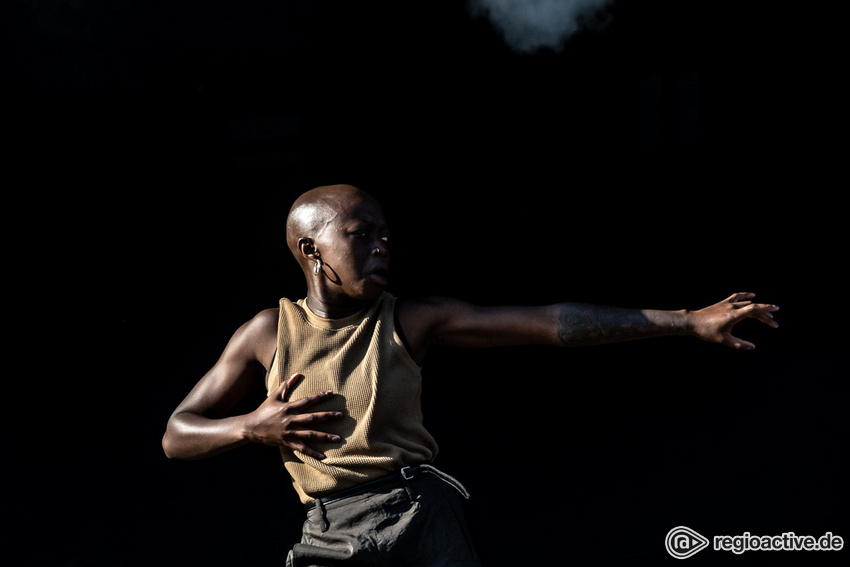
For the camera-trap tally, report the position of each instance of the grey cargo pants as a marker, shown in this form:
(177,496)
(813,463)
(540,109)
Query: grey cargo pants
(396,521)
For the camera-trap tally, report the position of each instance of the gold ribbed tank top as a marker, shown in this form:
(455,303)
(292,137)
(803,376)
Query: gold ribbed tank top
(377,387)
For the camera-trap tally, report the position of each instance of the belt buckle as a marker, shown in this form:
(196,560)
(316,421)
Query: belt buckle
(407,473)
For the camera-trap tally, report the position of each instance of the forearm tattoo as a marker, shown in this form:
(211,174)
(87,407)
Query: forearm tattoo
(580,324)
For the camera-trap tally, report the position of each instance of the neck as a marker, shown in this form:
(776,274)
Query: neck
(332,308)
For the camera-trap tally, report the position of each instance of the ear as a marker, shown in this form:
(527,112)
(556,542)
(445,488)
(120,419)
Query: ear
(307,248)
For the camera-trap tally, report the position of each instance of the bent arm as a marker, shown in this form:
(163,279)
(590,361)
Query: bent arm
(195,430)
(198,427)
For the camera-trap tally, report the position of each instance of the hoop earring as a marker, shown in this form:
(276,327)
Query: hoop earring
(317,269)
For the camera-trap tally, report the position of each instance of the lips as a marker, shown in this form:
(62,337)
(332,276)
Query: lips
(380,275)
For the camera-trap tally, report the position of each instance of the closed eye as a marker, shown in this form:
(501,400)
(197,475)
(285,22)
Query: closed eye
(367,232)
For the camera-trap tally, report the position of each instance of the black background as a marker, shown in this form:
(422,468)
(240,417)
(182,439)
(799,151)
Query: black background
(670,154)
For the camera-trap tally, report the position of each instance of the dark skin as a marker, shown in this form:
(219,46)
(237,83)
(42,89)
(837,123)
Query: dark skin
(342,230)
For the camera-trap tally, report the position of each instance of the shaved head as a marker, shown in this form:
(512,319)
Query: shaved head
(316,209)
(338,236)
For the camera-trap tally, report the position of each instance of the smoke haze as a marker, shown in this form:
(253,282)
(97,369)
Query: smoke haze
(530,25)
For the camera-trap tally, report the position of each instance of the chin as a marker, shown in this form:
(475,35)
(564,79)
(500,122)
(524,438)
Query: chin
(371,291)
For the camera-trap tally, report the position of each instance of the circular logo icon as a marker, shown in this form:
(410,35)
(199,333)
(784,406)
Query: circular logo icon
(683,542)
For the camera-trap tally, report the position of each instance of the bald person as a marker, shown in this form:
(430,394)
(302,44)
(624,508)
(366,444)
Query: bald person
(342,367)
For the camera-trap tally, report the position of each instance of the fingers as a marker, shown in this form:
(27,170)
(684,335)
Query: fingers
(299,419)
(760,311)
(767,319)
(304,419)
(763,312)
(744,300)
(739,344)
(286,387)
(301,404)
(302,447)
(742,303)
(297,438)
(299,424)
(741,306)
(739,297)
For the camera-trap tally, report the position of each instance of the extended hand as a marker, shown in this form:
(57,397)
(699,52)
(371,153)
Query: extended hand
(715,323)
(281,423)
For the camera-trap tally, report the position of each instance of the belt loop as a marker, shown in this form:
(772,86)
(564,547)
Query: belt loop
(407,473)
(322,513)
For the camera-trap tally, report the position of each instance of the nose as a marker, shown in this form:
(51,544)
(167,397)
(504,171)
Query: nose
(380,248)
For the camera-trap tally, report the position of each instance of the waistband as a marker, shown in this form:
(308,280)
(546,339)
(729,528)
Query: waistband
(399,478)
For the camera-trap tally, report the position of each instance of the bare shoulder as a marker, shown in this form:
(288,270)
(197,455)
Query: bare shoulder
(257,338)
(265,321)
(426,310)
(264,326)
(260,326)
(421,320)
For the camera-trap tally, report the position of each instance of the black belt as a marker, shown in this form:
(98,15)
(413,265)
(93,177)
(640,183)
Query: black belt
(405,474)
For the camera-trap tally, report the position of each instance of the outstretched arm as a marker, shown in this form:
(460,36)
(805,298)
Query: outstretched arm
(580,325)
(455,323)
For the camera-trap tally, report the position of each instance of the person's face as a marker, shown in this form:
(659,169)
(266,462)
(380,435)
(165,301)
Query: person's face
(354,249)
